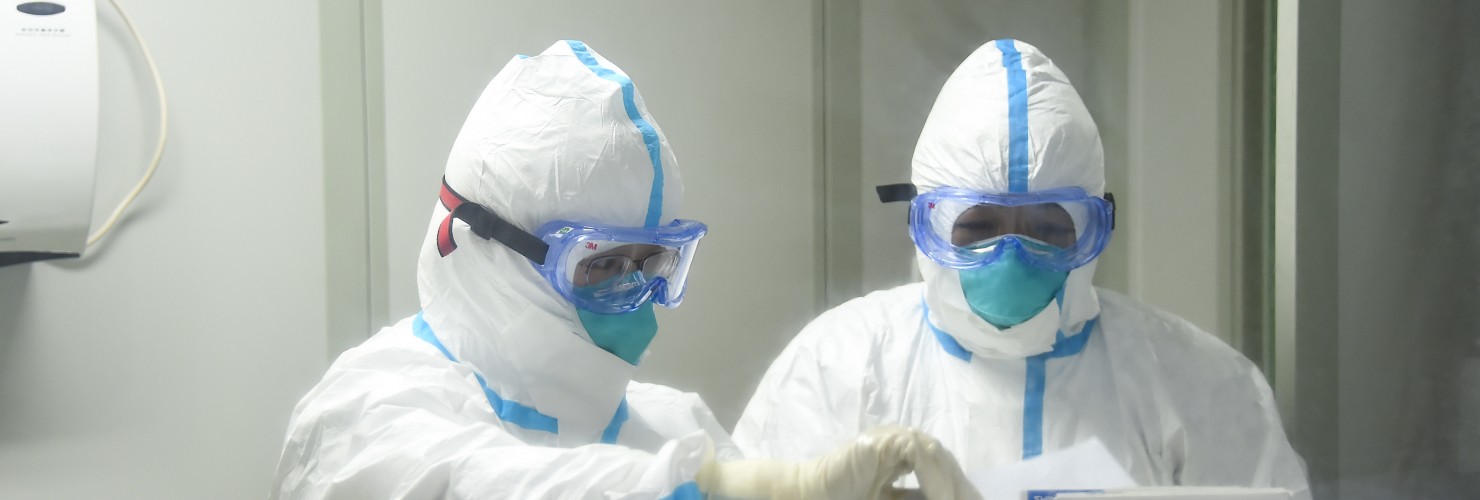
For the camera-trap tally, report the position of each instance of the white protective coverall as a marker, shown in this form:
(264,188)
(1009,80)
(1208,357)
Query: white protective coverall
(1172,403)
(491,391)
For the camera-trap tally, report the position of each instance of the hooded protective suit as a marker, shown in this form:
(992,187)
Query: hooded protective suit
(1173,404)
(492,391)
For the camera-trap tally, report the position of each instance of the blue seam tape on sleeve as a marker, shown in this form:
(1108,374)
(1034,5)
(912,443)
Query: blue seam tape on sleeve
(613,429)
(686,491)
(508,411)
(947,342)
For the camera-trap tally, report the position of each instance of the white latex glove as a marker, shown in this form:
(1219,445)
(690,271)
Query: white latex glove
(864,469)
(940,476)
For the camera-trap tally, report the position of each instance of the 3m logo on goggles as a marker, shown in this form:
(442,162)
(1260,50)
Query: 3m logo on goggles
(487,225)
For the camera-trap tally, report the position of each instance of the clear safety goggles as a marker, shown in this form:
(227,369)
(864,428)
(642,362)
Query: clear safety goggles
(599,268)
(1058,229)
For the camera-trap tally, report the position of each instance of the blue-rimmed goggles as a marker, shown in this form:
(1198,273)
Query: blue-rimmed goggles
(599,268)
(1057,229)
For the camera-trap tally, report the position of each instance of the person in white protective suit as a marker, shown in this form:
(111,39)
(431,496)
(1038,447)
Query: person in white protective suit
(1006,351)
(548,246)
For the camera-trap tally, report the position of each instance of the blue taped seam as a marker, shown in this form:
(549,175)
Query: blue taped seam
(613,429)
(686,491)
(1069,346)
(947,342)
(1036,382)
(508,411)
(1033,405)
(649,134)
(1035,379)
(1017,117)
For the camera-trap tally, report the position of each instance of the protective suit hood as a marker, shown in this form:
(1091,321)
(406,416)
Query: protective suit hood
(553,136)
(1008,117)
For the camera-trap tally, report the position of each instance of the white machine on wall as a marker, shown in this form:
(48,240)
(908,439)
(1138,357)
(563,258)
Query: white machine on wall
(48,128)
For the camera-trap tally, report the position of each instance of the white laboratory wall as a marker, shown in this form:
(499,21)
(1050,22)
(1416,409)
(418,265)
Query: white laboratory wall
(732,86)
(1178,230)
(165,364)
(1149,72)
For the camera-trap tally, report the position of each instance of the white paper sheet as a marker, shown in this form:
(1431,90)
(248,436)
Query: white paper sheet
(1086,465)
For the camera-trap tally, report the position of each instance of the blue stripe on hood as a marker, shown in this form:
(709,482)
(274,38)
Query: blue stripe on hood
(649,134)
(1017,117)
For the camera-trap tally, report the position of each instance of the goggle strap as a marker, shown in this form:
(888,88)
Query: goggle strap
(890,193)
(490,226)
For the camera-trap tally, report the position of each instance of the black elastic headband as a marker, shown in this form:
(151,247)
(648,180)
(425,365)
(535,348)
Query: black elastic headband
(490,226)
(890,193)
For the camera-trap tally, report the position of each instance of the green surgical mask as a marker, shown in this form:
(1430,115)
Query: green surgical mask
(1010,291)
(625,335)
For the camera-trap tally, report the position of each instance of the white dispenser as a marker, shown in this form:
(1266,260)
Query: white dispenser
(48,127)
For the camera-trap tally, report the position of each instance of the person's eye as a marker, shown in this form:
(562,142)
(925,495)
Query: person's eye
(1051,229)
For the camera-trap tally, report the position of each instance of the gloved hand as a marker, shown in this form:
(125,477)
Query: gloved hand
(939,475)
(863,469)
